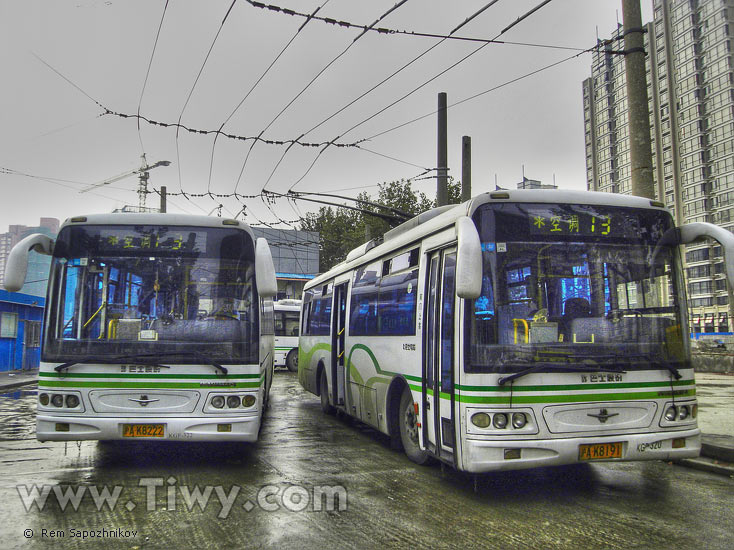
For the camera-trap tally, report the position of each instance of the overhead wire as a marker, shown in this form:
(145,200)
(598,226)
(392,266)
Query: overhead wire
(452,66)
(479,94)
(147,73)
(388,31)
(310,83)
(425,83)
(255,85)
(191,92)
(68,80)
(383,81)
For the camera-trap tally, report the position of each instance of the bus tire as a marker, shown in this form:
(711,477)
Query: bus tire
(324,392)
(409,429)
(291,361)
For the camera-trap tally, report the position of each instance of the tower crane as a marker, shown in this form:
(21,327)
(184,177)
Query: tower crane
(143,175)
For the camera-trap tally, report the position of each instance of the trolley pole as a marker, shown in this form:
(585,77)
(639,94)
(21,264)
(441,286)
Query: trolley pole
(465,168)
(639,119)
(442,179)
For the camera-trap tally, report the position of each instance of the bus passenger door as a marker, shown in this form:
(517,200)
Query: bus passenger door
(338,374)
(438,363)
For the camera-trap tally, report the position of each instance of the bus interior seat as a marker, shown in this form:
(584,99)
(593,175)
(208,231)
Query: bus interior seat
(574,308)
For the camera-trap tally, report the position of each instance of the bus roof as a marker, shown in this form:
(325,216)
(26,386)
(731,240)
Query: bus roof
(444,216)
(154,218)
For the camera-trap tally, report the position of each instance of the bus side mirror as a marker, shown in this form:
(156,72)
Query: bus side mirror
(468,260)
(267,285)
(16,266)
(694,231)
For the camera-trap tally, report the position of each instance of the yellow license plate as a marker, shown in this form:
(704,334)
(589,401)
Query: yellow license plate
(142,430)
(600,451)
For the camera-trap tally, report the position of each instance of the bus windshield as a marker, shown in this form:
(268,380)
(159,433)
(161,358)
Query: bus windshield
(145,290)
(575,285)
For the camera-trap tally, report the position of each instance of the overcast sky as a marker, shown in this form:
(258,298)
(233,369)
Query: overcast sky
(53,129)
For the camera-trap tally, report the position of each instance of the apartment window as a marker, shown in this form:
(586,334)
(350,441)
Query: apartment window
(699,271)
(697,255)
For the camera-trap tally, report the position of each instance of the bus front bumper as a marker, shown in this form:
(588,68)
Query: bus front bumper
(492,455)
(72,428)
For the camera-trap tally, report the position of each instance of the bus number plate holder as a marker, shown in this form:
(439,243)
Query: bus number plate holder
(600,451)
(142,430)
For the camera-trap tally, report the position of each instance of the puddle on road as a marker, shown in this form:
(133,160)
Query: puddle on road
(18,414)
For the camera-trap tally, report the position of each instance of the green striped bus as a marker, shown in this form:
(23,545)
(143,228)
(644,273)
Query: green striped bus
(157,326)
(518,329)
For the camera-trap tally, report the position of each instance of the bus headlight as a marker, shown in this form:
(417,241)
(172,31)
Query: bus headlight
(57,400)
(671,414)
(72,401)
(480,420)
(248,400)
(218,402)
(499,421)
(683,412)
(233,401)
(519,420)
(43,399)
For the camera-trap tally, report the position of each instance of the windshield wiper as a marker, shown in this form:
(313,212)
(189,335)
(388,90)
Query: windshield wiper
(200,356)
(658,363)
(557,366)
(103,360)
(143,358)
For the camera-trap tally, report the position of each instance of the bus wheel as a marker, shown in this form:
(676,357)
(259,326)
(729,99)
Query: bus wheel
(324,391)
(292,360)
(409,429)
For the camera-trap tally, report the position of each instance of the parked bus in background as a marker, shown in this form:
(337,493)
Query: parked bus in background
(518,329)
(157,326)
(287,319)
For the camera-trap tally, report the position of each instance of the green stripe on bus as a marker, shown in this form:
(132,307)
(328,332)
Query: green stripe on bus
(146,385)
(565,398)
(570,398)
(572,387)
(145,375)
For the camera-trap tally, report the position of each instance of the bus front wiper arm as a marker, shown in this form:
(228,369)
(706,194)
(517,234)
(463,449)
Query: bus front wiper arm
(68,364)
(556,366)
(658,363)
(200,356)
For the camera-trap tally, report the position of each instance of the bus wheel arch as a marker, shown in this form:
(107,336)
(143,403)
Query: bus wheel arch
(409,425)
(392,407)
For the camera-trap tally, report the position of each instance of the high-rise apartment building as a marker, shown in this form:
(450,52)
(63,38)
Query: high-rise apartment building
(690,71)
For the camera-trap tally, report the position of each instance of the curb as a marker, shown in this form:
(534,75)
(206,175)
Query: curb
(706,464)
(16,384)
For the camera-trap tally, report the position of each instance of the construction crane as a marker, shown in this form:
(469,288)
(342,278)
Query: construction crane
(143,176)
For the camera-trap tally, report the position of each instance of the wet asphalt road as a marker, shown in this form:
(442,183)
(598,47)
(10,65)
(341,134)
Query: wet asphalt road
(262,495)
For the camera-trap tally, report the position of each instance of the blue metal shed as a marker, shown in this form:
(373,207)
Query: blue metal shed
(21,317)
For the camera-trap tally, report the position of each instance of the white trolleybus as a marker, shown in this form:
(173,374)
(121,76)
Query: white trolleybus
(157,326)
(287,321)
(519,329)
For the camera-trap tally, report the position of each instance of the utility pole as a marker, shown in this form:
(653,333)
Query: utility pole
(639,118)
(164,192)
(442,179)
(465,168)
